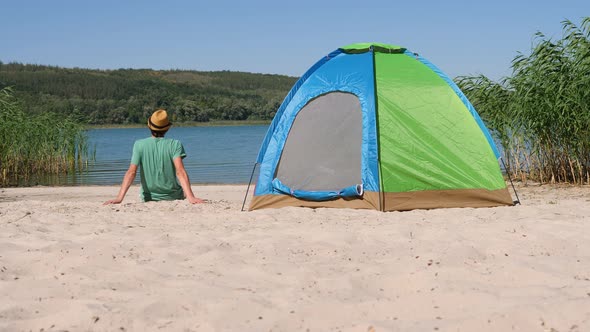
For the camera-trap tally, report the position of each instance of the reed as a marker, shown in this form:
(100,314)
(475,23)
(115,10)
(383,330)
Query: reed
(541,113)
(33,146)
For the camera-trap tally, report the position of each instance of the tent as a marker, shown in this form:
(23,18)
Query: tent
(376,126)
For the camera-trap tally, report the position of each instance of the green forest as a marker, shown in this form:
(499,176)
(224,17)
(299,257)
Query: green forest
(129,96)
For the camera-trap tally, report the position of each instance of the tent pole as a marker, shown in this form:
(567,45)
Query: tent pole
(249,182)
(381,197)
(517,201)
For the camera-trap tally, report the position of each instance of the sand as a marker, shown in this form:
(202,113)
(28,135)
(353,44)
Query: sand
(69,263)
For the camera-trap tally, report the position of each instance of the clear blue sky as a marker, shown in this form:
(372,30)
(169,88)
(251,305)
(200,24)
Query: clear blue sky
(276,37)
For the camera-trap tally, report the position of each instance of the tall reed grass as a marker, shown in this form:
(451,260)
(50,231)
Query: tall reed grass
(541,114)
(36,145)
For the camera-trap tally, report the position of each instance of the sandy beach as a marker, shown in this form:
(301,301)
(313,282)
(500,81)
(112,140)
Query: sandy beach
(68,263)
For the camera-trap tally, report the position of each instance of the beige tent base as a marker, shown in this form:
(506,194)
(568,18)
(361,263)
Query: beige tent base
(430,199)
(370,200)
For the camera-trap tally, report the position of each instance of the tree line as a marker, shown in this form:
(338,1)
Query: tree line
(129,96)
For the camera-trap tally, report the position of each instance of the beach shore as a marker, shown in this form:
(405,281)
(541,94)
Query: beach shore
(69,263)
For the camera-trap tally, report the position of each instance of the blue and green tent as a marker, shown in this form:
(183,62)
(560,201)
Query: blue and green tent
(377,126)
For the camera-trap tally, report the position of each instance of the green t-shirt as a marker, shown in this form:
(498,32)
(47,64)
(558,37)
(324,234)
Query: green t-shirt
(155,158)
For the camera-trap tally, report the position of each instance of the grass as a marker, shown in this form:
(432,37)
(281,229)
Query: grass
(35,145)
(541,114)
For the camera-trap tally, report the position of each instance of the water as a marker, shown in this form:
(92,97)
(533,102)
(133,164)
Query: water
(224,154)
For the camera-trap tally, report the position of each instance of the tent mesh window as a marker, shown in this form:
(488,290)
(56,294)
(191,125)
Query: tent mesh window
(323,149)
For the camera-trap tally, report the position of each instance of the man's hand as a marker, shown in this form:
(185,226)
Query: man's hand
(113,201)
(196,200)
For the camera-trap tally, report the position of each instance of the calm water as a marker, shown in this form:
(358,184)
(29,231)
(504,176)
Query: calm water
(214,154)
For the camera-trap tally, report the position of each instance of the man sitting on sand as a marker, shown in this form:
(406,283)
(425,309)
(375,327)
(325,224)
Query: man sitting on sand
(161,167)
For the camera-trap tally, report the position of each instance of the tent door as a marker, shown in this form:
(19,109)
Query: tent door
(323,148)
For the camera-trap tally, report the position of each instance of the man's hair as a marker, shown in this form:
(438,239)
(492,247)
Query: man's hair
(159,133)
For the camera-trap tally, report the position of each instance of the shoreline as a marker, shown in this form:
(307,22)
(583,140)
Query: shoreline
(217,123)
(69,263)
(118,185)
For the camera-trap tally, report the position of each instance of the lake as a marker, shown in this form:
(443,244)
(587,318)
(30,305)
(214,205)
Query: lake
(217,154)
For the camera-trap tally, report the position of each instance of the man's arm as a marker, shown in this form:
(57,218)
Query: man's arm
(127,181)
(185,182)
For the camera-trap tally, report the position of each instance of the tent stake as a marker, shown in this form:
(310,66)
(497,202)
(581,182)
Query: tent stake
(517,201)
(249,182)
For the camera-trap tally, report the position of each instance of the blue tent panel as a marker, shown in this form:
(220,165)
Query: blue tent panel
(352,73)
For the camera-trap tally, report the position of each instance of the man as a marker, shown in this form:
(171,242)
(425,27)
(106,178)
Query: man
(162,172)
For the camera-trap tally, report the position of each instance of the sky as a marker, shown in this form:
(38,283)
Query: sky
(274,37)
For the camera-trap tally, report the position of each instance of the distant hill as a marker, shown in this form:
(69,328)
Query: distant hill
(127,96)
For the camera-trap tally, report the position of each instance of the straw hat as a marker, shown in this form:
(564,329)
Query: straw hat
(159,121)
